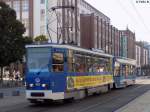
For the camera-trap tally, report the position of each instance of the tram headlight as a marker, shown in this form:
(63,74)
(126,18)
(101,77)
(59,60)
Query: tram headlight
(31,85)
(44,85)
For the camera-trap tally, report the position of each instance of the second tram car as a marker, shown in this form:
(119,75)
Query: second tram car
(57,72)
(124,72)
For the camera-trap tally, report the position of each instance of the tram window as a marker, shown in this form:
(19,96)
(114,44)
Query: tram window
(132,70)
(58,58)
(71,64)
(58,68)
(127,70)
(117,71)
(38,58)
(123,70)
(71,61)
(101,65)
(105,65)
(80,64)
(58,62)
(109,65)
(89,65)
(101,68)
(95,64)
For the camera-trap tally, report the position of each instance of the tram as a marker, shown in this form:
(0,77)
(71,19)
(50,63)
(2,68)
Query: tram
(61,72)
(124,72)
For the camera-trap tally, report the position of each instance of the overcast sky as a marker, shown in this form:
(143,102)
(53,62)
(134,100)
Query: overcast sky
(125,13)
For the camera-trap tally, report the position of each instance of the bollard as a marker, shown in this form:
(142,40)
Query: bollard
(1,95)
(16,93)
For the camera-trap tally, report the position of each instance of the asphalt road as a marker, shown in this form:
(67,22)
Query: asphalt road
(108,102)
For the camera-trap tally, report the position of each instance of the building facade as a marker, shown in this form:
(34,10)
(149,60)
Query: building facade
(32,13)
(148,53)
(73,22)
(99,34)
(123,43)
(87,28)
(147,45)
(130,37)
(138,55)
(63,19)
(142,54)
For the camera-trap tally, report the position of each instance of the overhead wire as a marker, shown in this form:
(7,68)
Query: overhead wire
(139,16)
(127,12)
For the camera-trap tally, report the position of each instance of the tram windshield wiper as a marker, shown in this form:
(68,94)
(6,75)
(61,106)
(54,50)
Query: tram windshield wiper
(40,70)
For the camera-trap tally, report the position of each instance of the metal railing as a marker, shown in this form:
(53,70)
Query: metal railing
(11,83)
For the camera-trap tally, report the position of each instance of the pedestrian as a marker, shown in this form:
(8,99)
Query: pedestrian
(17,75)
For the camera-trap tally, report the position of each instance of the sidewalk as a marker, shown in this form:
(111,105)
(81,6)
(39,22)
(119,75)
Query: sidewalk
(9,99)
(8,91)
(141,104)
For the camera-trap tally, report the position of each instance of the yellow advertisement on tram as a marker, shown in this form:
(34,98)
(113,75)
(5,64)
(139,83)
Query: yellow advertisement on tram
(79,82)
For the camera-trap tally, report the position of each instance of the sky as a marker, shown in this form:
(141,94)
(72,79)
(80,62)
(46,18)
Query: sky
(123,13)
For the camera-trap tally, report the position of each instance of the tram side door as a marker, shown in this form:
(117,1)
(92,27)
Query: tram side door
(58,69)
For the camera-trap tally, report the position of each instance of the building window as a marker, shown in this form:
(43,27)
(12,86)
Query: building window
(42,1)
(26,23)
(25,5)
(42,30)
(59,2)
(42,14)
(16,6)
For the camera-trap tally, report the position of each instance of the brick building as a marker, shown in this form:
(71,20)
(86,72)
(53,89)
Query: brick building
(99,34)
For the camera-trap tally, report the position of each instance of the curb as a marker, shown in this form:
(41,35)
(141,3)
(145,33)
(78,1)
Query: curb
(1,95)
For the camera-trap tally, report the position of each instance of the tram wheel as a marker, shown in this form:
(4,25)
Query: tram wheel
(114,86)
(109,88)
(48,101)
(68,100)
(34,101)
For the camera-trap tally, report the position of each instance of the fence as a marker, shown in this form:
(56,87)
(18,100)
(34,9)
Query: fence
(11,84)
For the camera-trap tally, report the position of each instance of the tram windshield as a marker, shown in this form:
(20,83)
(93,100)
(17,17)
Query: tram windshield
(38,59)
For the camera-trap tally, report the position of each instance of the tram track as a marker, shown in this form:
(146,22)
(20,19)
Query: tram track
(93,107)
(108,102)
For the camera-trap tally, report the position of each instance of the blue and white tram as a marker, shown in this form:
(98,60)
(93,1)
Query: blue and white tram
(124,72)
(57,72)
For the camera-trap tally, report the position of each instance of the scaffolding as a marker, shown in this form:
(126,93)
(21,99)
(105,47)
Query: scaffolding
(58,26)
